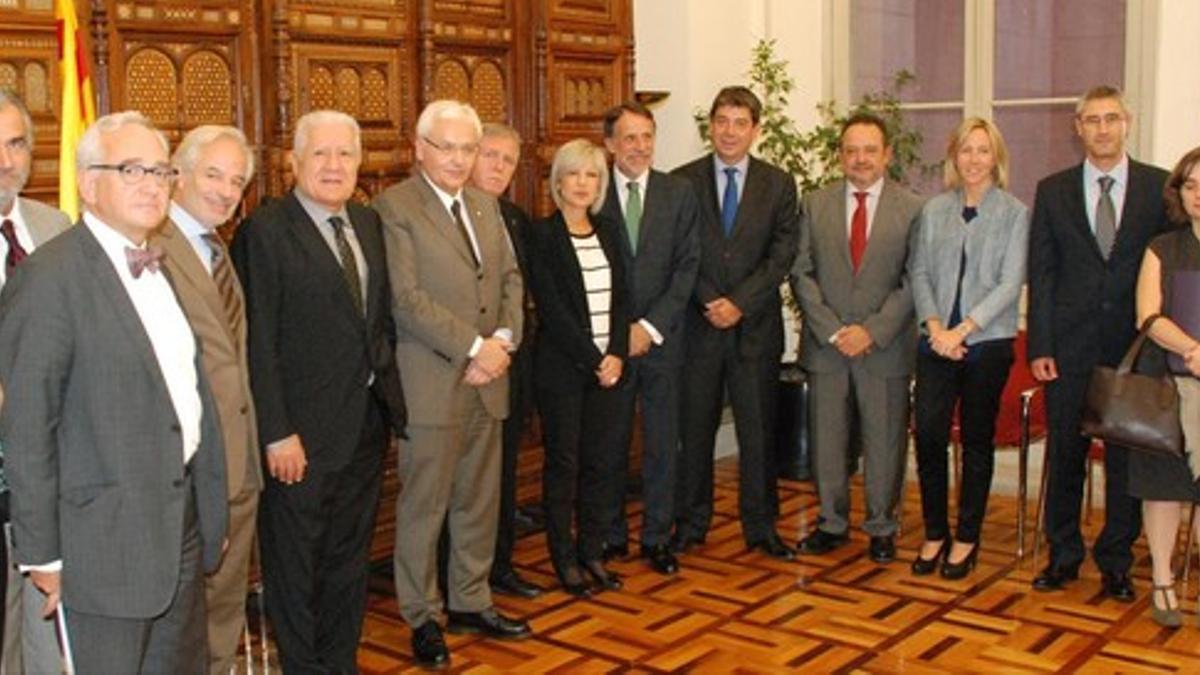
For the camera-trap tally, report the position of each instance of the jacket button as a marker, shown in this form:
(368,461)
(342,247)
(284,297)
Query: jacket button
(479,276)
(175,428)
(244,409)
(483,310)
(177,483)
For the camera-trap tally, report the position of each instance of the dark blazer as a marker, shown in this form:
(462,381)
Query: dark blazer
(517,222)
(749,266)
(565,357)
(311,352)
(662,275)
(92,444)
(1081,307)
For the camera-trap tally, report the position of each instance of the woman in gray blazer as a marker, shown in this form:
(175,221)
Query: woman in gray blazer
(966,270)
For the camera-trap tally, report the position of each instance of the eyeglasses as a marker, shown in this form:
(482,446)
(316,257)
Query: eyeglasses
(132,174)
(1108,119)
(466,149)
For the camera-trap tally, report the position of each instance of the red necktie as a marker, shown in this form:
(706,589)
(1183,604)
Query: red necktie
(858,231)
(16,253)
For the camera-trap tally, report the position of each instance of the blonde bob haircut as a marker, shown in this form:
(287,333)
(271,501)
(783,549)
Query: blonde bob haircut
(950,175)
(573,156)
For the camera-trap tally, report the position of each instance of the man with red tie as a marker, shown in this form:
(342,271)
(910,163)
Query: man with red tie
(859,334)
(28,638)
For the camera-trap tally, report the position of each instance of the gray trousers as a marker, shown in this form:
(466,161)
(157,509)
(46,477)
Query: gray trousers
(30,645)
(882,404)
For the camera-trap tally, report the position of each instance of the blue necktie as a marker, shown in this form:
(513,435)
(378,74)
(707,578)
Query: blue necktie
(729,203)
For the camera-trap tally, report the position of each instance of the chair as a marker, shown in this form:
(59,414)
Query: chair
(1020,421)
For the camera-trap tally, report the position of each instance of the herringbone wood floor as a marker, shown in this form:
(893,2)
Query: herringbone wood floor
(733,611)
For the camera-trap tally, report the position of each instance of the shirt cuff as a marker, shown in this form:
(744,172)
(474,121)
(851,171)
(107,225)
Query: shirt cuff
(833,339)
(52,566)
(505,334)
(475,347)
(655,336)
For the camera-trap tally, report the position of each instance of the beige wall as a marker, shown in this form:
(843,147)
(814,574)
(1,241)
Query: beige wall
(693,47)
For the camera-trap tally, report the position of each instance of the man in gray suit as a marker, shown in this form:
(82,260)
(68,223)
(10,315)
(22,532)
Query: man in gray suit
(25,225)
(456,299)
(215,164)
(859,334)
(112,443)
(662,255)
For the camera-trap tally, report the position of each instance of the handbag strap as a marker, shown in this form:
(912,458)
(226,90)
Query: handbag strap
(1131,355)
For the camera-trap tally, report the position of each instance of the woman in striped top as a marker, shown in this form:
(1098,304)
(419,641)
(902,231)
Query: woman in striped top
(577,279)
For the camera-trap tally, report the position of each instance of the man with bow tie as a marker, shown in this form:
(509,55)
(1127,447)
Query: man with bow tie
(112,446)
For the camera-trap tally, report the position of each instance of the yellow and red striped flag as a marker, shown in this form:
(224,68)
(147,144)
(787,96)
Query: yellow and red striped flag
(78,102)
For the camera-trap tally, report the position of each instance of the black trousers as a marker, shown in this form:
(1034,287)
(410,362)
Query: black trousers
(976,387)
(520,400)
(314,536)
(656,385)
(581,443)
(1067,461)
(753,385)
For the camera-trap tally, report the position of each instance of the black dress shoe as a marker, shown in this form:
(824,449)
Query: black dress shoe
(660,559)
(603,578)
(958,570)
(925,566)
(573,583)
(429,649)
(821,542)
(1118,586)
(489,622)
(614,552)
(1055,578)
(882,550)
(512,584)
(773,547)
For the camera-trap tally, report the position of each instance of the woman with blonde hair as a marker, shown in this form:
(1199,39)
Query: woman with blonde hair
(577,280)
(966,270)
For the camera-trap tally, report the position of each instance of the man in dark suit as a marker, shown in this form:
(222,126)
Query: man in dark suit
(662,254)
(748,231)
(499,152)
(111,438)
(1089,230)
(860,335)
(457,306)
(325,387)
(28,638)
(215,165)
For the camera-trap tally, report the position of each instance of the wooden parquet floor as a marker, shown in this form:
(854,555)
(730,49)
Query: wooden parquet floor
(731,611)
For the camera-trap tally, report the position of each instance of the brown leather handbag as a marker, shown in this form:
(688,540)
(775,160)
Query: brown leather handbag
(1131,409)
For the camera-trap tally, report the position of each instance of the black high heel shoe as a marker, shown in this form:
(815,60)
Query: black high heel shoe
(961,569)
(925,566)
(573,582)
(603,578)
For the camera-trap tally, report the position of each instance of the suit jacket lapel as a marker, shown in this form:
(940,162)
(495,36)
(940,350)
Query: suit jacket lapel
(708,198)
(841,232)
(375,264)
(110,286)
(441,221)
(1133,206)
(1076,205)
(305,231)
(612,211)
(39,231)
(878,227)
(573,273)
(191,272)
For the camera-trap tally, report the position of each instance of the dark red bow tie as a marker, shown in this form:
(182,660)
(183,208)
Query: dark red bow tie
(143,259)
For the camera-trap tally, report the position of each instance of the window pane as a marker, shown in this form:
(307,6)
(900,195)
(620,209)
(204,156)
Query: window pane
(924,37)
(1041,140)
(1058,48)
(935,127)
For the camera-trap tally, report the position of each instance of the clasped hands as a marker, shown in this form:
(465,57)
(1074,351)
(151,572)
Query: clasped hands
(853,341)
(609,371)
(947,342)
(490,362)
(722,313)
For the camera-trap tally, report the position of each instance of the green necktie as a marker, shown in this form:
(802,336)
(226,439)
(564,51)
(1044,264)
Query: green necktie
(633,213)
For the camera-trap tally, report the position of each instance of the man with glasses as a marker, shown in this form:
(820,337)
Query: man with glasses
(326,392)
(457,303)
(25,225)
(1089,230)
(112,444)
